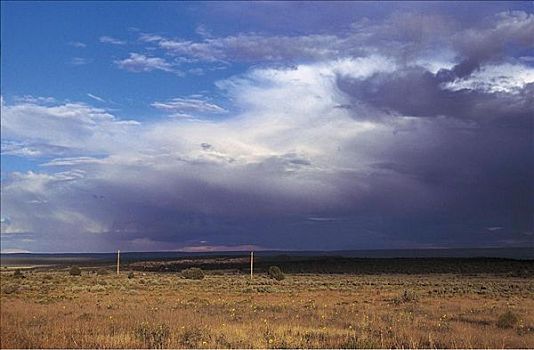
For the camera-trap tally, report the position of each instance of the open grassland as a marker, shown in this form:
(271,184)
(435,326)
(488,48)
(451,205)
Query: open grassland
(51,309)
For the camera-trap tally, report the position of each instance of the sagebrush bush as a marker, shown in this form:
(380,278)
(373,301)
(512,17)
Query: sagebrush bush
(509,319)
(97,288)
(9,289)
(75,271)
(276,273)
(18,274)
(193,273)
(191,337)
(102,272)
(154,336)
(131,275)
(405,297)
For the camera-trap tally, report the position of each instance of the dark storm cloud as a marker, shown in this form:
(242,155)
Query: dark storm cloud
(510,31)
(473,154)
(414,91)
(303,17)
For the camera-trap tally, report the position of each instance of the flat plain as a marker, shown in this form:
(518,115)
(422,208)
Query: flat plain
(48,308)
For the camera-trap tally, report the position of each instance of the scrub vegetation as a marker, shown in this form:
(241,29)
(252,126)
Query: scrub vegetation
(50,308)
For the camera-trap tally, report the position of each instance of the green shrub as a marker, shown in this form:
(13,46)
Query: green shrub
(509,319)
(75,271)
(193,273)
(18,274)
(276,273)
(102,272)
(131,275)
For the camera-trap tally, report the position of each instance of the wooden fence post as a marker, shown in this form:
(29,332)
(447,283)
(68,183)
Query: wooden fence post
(251,264)
(118,261)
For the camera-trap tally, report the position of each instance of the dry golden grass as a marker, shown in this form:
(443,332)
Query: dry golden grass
(54,310)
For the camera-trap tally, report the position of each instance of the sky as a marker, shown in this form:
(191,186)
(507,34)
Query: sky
(207,126)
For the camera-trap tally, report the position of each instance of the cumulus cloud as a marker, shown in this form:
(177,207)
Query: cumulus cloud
(251,162)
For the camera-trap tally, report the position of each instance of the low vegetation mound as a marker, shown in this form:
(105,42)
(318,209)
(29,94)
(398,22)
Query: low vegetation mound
(9,289)
(131,275)
(406,296)
(193,273)
(276,273)
(75,271)
(508,320)
(18,274)
(154,336)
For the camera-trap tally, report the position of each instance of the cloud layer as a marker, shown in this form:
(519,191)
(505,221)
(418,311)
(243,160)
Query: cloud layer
(401,133)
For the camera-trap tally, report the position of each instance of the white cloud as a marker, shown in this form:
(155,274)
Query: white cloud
(73,126)
(20,149)
(220,248)
(203,31)
(272,124)
(71,161)
(80,61)
(37,100)
(506,77)
(14,251)
(254,47)
(96,98)
(77,44)
(188,105)
(110,40)
(141,63)
(149,38)
(28,191)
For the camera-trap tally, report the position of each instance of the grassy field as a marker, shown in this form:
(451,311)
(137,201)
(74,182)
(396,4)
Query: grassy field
(51,309)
